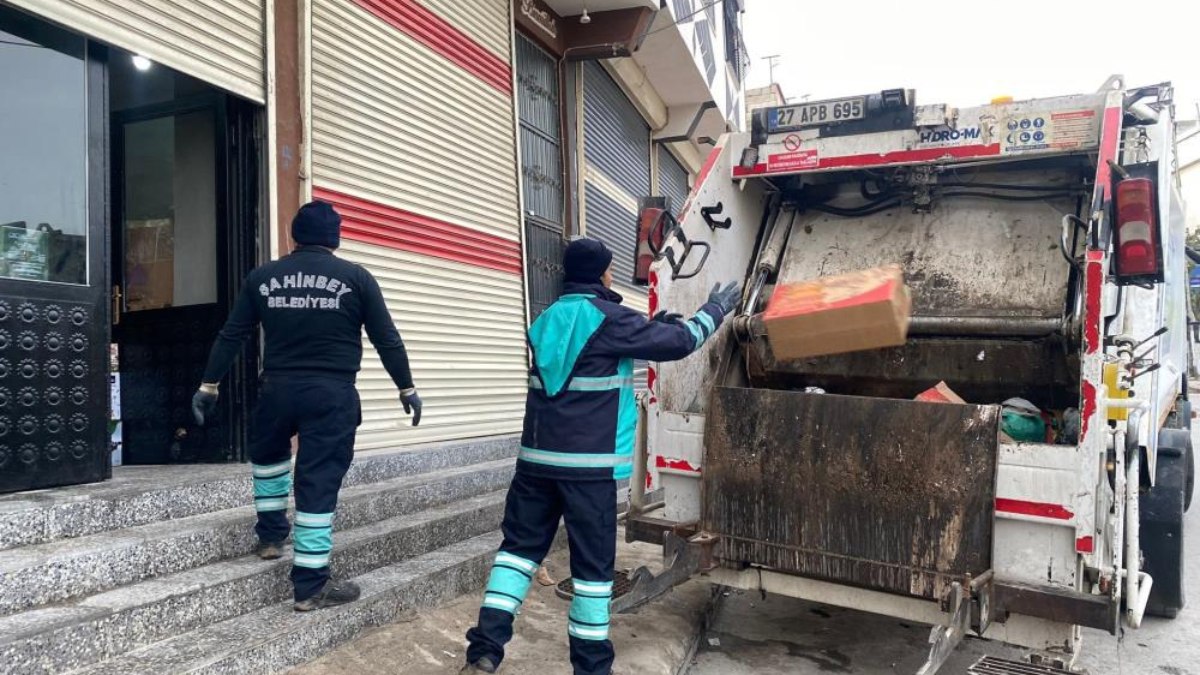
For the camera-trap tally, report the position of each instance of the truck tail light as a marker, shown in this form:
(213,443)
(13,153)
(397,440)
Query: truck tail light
(1139,251)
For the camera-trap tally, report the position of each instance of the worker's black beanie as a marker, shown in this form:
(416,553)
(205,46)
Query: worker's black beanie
(317,224)
(585,261)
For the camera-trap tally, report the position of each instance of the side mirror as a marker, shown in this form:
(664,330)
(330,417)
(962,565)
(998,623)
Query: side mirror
(654,220)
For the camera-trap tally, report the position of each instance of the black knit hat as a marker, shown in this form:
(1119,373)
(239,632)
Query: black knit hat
(317,224)
(586,260)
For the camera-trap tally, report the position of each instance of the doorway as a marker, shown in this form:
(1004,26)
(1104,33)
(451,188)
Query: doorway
(183,236)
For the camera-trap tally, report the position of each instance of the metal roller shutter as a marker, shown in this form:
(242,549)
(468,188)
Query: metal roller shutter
(418,154)
(617,152)
(219,41)
(672,179)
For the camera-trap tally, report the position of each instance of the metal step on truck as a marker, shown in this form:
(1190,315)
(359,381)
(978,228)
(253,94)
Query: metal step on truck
(1042,243)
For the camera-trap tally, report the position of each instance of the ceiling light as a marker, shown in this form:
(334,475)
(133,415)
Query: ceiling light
(584,18)
(142,63)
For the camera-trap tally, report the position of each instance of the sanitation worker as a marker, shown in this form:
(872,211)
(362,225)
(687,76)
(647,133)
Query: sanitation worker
(312,307)
(577,443)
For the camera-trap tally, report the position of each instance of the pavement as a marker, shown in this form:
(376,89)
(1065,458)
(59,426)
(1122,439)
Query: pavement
(658,639)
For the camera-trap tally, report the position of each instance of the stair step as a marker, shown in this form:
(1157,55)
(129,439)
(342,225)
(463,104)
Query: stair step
(275,638)
(73,568)
(141,495)
(56,639)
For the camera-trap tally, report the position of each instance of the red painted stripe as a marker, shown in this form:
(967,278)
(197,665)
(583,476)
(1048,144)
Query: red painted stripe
(877,159)
(1038,509)
(1110,136)
(1085,545)
(676,464)
(418,22)
(394,228)
(705,170)
(1089,408)
(1094,291)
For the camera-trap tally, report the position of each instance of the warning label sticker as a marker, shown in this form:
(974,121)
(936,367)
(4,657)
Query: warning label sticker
(793,161)
(1056,131)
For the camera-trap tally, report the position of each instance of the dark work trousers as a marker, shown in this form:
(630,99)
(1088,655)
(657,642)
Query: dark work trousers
(531,515)
(326,414)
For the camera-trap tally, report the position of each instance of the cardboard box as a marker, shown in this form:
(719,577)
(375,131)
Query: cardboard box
(851,312)
(940,393)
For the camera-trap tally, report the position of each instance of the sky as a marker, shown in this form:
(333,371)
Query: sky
(965,53)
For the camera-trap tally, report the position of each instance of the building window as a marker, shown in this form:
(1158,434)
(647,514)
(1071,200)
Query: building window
(735,46)
(43,166)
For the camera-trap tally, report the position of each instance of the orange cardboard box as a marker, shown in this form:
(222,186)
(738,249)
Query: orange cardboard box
(869,309)
(939,393)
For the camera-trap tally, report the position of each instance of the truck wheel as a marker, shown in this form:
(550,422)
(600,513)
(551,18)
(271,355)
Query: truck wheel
(1162,510)
(1182,419)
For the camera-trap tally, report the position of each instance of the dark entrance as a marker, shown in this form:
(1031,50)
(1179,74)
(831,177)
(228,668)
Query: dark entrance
(185,205)
(53,310)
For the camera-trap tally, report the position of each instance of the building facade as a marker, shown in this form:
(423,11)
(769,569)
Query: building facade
(153,155)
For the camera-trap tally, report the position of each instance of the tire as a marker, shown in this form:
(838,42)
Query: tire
(1161,535)
(1182,419)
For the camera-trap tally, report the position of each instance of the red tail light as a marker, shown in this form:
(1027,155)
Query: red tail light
(1139,253)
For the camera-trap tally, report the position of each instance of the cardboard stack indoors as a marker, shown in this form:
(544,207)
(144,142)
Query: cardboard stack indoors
(868,309)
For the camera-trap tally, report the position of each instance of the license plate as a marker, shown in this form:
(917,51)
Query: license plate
(818,113)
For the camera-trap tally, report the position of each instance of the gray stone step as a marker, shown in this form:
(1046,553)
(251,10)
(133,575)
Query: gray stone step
(275,638)
(57,639)
(140,495)
(73,568)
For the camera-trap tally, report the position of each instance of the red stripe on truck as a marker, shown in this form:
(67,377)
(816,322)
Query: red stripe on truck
(423,25)
(878,159)
(675,464)
(1038,509)
(381,225)
(1085,545)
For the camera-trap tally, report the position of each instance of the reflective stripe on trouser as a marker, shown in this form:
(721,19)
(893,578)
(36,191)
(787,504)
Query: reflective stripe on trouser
(509,582)
(531,514)
(272,486)
(324,412)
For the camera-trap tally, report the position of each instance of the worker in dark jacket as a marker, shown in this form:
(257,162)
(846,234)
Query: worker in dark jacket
(580,420)
(312,307)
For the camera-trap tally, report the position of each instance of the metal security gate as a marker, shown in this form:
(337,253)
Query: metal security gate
(538,107)
(221,42)
(617,153)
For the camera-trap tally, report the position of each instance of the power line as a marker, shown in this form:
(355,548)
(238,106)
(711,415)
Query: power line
(680,19)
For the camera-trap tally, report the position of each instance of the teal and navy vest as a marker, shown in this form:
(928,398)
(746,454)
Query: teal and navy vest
(580,412)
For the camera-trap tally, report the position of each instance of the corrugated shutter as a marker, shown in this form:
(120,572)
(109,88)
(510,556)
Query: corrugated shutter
(218,41)
(486,22)
(617,150)
(672,179)
(408,129)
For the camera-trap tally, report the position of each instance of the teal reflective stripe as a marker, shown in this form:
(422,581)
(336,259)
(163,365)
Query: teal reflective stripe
(263,505)
(310,560)
(626,424)
(589,383)
(576,460)
(558,337)
(271,470)
(312,539)
(279,486)
(314,519)
(707,322)
(697,333)
(517,561)
(588,618)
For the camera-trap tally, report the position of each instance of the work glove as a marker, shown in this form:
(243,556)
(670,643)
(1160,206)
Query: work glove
(204,403)
(412,404)
(726,298)
(667,317)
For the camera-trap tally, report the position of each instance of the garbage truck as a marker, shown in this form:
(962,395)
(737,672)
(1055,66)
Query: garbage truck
(1042,249)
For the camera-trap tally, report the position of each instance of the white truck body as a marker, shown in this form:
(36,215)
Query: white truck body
(988,279)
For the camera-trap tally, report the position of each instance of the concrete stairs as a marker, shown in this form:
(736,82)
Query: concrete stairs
(153,572)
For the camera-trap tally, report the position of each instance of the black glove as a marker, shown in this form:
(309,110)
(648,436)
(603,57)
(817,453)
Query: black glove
(412,404)
(726,298)
(667,317)
(204,406)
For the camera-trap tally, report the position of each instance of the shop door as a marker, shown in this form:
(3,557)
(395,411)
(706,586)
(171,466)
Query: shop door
(53,316)
(172,277)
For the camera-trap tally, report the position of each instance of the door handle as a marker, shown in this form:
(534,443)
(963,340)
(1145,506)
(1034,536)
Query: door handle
(116,304)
